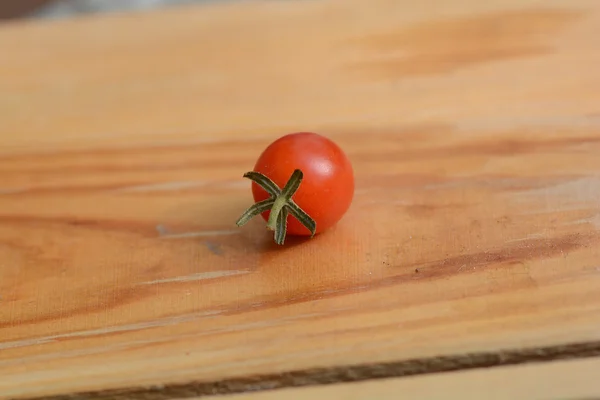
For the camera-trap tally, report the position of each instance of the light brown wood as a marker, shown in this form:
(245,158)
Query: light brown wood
(473,127)
(552,381)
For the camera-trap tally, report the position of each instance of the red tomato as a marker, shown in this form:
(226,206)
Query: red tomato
(327,187)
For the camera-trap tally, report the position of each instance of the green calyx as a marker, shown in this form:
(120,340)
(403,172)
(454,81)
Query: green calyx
(279,203)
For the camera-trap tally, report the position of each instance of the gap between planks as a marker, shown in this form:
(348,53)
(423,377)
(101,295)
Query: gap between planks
(342,374)
(559,380)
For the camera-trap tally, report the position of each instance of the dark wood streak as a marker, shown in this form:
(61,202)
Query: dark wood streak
(195,157)
(438,269)
(120,297)
(398,181)
(492,148)
(343,373)
(138,150)
(105,167)
(517,252)
(139,228)
(120,189)
(506,147)
(523,251)
(450,44)
(431,64)
(133,227)
(413,133)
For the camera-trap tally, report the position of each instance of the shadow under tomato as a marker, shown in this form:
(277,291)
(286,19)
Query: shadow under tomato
(216,229)
(257,237)
(291,241)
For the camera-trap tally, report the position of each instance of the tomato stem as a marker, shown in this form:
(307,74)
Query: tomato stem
(279,203)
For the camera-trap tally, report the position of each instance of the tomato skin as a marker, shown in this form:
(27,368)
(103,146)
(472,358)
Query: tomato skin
(327,188)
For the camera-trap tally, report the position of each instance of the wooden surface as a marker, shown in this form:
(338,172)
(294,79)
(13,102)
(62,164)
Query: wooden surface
(559,380)
(473,128)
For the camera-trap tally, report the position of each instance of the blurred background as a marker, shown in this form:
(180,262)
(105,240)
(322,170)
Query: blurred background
(16,9)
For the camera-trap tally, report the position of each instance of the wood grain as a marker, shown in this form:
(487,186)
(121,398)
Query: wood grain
(553,381)
(346,373)
(473,128)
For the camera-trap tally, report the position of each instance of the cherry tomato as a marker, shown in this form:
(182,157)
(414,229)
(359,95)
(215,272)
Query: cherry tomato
(321,175)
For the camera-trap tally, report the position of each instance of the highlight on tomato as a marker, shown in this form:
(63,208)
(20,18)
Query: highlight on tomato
(302,184)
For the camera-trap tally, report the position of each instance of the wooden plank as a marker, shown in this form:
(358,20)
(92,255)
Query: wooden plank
(473,128)
(552,381)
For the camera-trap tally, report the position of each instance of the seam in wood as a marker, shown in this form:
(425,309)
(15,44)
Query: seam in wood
(340,374)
